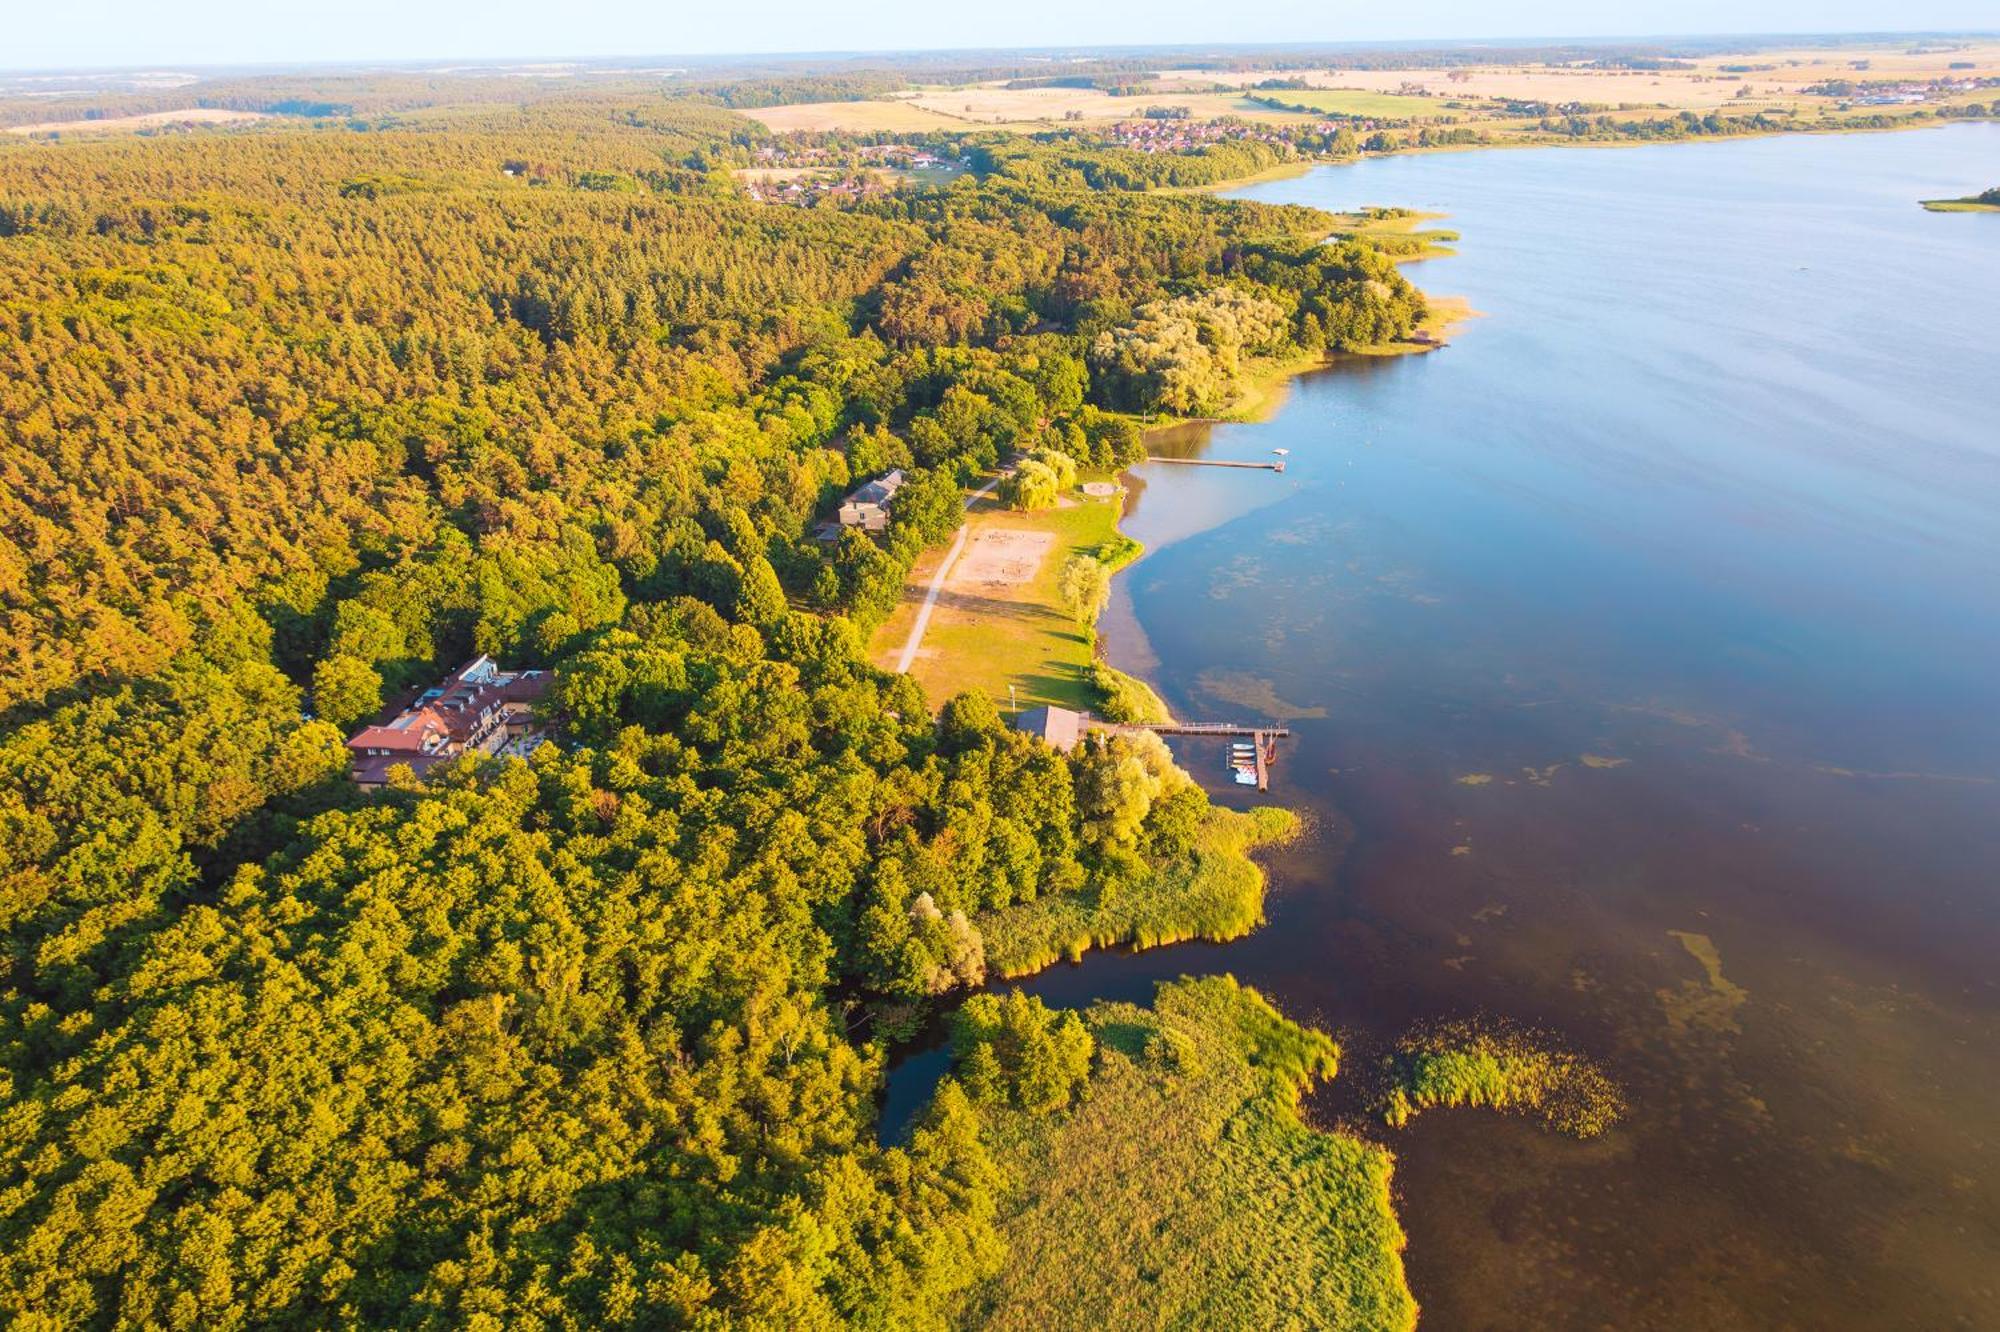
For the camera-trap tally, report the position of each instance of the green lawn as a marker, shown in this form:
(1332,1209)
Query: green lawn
(1184,1191)
(1357,102)
(989,638)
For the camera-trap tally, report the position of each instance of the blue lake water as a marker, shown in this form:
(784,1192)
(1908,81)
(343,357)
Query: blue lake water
(1643,653)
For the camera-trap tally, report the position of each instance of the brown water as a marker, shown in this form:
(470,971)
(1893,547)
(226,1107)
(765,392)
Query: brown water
(1643,654)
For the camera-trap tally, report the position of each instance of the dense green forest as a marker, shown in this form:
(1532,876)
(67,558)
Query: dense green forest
(291,420)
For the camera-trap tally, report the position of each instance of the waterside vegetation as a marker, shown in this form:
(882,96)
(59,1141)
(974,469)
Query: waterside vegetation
(1503,1068)
(1986,201)
(1182,1189)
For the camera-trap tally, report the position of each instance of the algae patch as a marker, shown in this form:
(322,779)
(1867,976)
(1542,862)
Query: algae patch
(1255,693)
(1707,1005)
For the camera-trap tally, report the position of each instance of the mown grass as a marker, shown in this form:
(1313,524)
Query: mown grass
(1215,893)
(1184,1190)
(1020,636)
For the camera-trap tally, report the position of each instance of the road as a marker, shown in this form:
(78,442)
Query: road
(916,638)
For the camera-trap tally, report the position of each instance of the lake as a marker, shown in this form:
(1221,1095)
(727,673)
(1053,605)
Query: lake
(1642,652)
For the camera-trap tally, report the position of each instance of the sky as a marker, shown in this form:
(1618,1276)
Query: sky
(67,34)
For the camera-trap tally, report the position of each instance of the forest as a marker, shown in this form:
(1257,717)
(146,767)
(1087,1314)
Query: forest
(295,418)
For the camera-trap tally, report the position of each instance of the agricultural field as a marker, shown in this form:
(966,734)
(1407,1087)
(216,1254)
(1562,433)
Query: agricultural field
(991,105)
(1774,79)
(1356,102)
(152,120)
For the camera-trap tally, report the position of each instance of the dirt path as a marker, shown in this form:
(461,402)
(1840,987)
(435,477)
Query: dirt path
(916,638)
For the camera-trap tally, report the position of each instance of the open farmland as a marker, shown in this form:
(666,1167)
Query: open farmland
(994,105)
(1714,82)
(199,115)
(1356,102)
(1772,78)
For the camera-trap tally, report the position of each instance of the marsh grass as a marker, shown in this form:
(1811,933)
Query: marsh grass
(1185,1191)
(1506,1069)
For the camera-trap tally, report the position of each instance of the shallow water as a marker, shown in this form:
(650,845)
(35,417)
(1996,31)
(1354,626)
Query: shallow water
(1642,650)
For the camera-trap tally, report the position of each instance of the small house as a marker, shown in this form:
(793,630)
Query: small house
(1060,728)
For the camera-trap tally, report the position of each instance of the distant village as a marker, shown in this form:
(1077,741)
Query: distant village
(801,175)
(1178,135)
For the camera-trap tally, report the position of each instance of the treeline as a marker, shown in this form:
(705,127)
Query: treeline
(749,94)
(1690,125)
(1074,162)
(292,420)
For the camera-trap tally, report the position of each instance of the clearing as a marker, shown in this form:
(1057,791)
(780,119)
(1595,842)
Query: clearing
(999,558)
(998,618)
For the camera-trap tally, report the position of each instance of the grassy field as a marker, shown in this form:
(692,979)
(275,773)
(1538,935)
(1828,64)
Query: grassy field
(1184,1190)
(1361,102)
(987,634)
(1960,206)
(1217,894)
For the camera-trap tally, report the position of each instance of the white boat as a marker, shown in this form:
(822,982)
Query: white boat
(1245,778)
(1282,453)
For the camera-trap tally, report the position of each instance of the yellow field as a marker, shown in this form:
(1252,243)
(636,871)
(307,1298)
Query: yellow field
(200,115)
(992,105)
(1700,89)
(1704,88)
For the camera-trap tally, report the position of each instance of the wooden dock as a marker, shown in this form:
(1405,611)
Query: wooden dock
(1276,465)
(1265,738)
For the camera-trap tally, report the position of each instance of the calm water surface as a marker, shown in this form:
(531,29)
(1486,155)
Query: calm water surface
(1643,653)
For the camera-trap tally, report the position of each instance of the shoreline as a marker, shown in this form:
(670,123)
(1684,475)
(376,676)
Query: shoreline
(1290,170)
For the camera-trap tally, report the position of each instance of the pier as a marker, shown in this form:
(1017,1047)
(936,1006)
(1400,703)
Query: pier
(1276,465)
(1265,738)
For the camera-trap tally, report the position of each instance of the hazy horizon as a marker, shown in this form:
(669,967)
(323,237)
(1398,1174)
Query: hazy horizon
(128,35)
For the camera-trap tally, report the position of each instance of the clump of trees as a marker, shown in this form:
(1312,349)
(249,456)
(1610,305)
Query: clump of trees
(1015,1051)
(1185,354)
(1085,588)
(1038,480)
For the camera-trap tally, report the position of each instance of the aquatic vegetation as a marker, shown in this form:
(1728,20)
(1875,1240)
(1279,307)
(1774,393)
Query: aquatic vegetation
(1707,1005)
(1504,1068)
(1257,694)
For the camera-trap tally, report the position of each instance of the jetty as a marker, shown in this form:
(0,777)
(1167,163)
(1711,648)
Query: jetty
(1275,466)
(1065,728)
(1265,738)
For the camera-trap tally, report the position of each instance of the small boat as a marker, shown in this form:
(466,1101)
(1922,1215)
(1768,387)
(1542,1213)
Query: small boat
(1242,763)
(1282,453)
